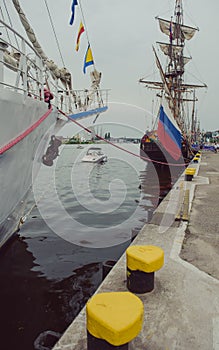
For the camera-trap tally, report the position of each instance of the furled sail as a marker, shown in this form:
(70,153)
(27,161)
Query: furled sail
(171,49)
(11,60)
(167,48)
(178,31)
(95,79)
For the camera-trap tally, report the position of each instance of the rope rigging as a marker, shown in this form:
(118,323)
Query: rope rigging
(85,26)
(54,32)
(84,22)
(10,21)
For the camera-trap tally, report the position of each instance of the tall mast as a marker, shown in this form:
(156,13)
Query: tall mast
(193,122)
(178,62)
(172,78)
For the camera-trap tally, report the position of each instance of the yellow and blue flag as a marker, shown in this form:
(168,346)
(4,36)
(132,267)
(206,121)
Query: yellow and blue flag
(88,60)
(74,3)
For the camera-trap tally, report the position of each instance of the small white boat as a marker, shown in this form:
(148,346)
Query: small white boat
(94,155)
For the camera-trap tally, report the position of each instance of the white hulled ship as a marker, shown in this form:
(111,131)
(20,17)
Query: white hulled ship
(36,99)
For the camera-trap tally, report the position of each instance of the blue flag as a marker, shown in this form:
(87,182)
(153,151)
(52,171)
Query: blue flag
(74,3)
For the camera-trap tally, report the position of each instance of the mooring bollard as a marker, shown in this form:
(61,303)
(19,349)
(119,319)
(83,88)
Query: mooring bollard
(195,159)
(142,262)
(189,173)
(113,320)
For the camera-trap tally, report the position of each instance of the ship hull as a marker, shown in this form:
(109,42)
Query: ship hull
(151,151)
(20,163)
(156,153)
(167,168)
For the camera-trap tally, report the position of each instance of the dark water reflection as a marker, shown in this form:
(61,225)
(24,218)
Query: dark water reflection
(46,280)
(36,298)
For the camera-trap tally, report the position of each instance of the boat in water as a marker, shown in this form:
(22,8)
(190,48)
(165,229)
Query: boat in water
(94,155)
(175,128)
(37,98)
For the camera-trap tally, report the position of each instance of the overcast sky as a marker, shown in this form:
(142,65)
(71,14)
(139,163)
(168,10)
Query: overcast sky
(121,34)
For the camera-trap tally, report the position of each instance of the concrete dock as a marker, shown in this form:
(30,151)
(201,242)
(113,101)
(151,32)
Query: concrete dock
(182,312)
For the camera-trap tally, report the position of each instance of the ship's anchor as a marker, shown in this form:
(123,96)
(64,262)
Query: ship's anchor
(52,151)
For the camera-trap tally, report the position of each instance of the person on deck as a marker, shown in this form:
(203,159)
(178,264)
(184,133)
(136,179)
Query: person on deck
(48,96)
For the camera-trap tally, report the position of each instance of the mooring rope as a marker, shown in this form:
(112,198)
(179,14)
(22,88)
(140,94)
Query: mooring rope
(119,147)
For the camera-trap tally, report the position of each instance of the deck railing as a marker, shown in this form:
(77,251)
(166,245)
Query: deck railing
(24,71)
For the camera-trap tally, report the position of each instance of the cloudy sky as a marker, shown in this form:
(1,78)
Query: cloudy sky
(121,34)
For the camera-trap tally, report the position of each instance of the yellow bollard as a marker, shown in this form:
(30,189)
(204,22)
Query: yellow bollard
(142,262)
(195,159)
(113,320)
(189,173)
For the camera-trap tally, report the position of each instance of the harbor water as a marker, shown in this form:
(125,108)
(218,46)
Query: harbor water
(82,215)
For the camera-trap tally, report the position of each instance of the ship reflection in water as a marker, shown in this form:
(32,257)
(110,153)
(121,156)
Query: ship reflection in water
(156,182)
(45,280)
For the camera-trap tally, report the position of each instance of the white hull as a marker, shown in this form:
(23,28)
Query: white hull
(94,155)
(27,77)
(91,159)
(16,163)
